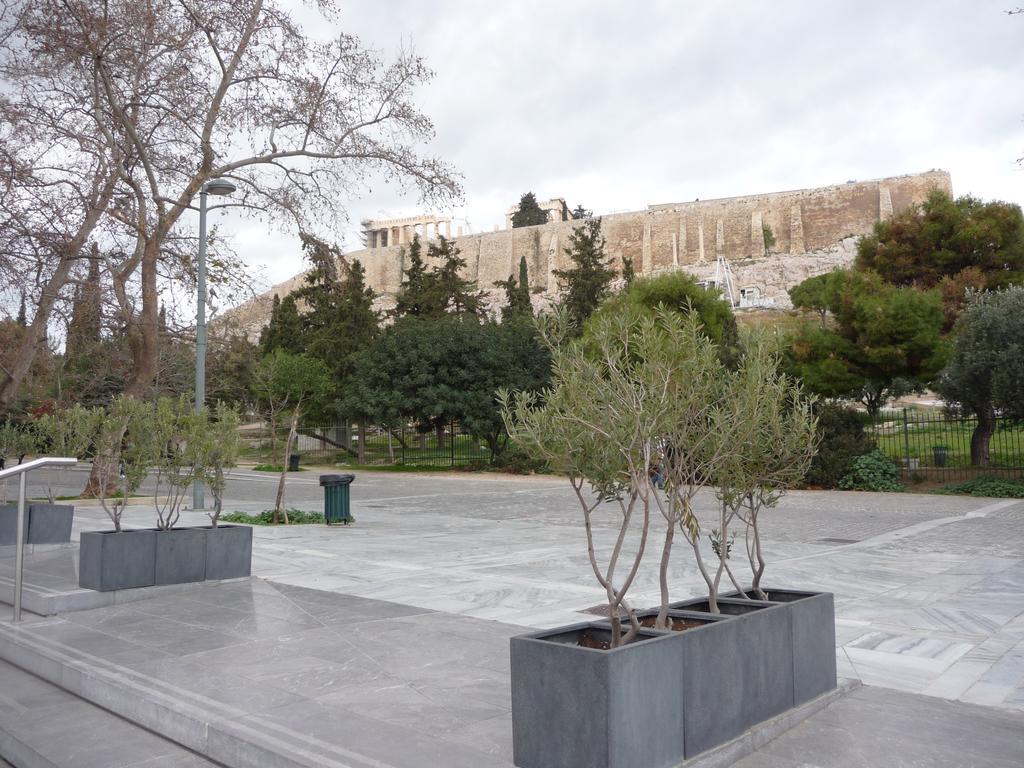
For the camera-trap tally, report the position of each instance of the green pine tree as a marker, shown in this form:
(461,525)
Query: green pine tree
(628,273)
(586,283)
(285,328)
(517,294)
(413,297)
(450,292)
(529,213)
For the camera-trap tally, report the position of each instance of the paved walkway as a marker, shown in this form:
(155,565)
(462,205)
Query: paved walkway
(930,600)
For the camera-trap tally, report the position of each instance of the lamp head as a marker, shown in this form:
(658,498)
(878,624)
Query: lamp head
(219,187)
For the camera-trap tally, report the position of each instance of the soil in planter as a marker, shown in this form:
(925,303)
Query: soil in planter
(676,623)
(587,639)
(729,609)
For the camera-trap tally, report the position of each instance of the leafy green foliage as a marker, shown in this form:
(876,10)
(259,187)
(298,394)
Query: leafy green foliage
(841,439)
(679,293)
(437,370)
(998,487)
(986,366)
(872,472)
(940,239)
(440,290)
(517,293)
(879,341)
(530,213)
(284,330)
(586,282)
(985,373)
(293,517)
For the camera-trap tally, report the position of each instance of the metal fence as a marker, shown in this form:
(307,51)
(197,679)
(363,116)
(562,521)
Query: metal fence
(445,446)
(936,446)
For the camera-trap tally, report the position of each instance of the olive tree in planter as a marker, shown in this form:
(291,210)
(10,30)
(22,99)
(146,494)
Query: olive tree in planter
(583,695)
(657,696)
(125,445)
(67,432)
(228,547)
(182,438)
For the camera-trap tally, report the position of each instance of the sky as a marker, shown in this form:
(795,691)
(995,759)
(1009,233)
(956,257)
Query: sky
(618,105)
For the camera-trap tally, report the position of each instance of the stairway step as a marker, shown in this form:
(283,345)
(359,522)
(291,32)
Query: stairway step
(43,726)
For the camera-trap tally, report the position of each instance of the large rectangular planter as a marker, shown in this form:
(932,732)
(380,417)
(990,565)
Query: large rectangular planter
(110,560)
(9,525)
(180,555)
(228,552)
(50,523)
(813,621)
(577,707)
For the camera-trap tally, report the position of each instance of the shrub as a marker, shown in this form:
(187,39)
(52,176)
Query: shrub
(872,472)
(841,439)
(986,486)
(295,517)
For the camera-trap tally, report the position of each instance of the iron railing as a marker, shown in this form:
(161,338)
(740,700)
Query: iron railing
(937,446)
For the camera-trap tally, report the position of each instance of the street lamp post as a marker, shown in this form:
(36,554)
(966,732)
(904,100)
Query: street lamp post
(212,187)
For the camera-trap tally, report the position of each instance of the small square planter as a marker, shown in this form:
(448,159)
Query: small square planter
(579,707)
(180,555)
(9,525)
(110,560)
(813,620)
(50,523)
(228,552)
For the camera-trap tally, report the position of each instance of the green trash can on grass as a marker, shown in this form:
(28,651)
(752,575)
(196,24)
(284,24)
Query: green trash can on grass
(336,498)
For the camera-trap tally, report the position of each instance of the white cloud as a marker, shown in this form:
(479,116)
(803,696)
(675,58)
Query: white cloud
(617,105)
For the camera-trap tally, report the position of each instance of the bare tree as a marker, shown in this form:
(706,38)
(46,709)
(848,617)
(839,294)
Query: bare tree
(183,91)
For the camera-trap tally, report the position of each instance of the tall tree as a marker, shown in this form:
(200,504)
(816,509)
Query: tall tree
(879,341)
(587,281)
(180,92)
(985,374)
(579,212)
(517,293)
(284,330)
(529,213)
(453,293)
(952,244)
(413,293)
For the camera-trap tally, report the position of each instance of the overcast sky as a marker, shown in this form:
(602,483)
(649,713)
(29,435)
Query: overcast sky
(617,105)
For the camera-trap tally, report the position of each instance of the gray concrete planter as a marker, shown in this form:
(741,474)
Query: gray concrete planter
(9,525)
(577,707)
(813,621)
(228,552)
(737,671)
(110,560)
(718,675)
(50,523)
(180,555)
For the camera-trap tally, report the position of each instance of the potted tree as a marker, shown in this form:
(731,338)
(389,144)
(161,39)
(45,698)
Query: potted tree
(228,547)
(124,451)
(67,432)
(722,664)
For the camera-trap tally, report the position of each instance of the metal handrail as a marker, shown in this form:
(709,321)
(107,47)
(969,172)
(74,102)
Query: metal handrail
(22,471)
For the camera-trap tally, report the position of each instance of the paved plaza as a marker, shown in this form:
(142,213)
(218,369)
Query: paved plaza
(385,643)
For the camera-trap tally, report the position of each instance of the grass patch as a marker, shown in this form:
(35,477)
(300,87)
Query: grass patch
(986,485)
(274,468)
(295,517)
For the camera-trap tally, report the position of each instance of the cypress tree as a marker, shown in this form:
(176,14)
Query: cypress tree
(586,283)
(529,213)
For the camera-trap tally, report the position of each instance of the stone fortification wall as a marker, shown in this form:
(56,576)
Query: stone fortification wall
(815,230)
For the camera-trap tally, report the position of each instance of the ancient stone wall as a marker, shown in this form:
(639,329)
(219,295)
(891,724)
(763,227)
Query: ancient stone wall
(814,231)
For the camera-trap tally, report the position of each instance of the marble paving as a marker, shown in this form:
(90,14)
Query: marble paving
(929,591)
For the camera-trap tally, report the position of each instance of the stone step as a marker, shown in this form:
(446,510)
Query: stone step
(44,726)
(217,731)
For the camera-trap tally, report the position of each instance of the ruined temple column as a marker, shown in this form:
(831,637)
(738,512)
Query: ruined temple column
(448,228)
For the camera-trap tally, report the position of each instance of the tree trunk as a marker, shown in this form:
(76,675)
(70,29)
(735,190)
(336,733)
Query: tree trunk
(284,467)
(439,432)
(982,436)
(666,552)
(26,354)
(362,443)
(143,330)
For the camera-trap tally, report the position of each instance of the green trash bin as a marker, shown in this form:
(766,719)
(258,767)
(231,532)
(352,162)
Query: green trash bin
(940,453)
(336,498)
